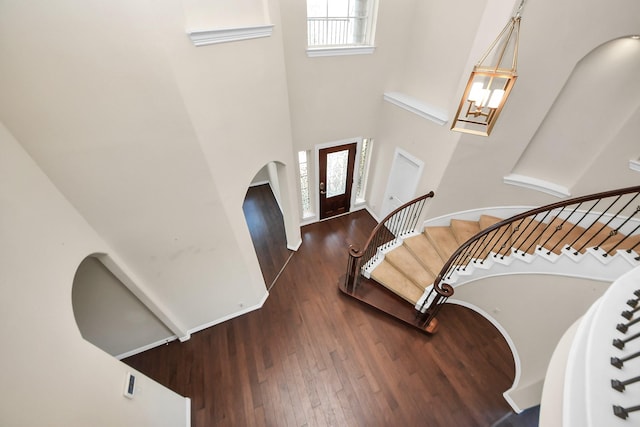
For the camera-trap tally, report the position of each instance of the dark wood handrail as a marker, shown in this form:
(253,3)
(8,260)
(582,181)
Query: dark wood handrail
(357,253)
(398,222)
(438,282)
(479,246)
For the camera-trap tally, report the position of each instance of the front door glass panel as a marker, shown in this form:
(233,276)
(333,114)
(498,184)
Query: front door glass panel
(337,173)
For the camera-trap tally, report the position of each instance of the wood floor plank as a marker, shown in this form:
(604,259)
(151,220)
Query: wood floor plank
(315,357)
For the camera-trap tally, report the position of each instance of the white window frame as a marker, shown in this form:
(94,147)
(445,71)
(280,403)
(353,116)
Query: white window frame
(306,214)
(354,49)
(365,171)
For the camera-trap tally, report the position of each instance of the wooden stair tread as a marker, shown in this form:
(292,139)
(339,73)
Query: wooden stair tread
(395,281)
(554,239)
(527,235)
(425,253)
(595,235)
(487,221)
(627,243)
(499,240)
(403,260)
(443,240)
(463,230)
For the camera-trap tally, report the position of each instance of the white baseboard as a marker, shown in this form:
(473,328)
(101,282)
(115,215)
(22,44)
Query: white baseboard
(187,402)
(372,213)
(146,347)
(245,310)
(296,246)
(194,330)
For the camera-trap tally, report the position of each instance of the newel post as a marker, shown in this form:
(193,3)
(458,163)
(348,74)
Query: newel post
(353,265)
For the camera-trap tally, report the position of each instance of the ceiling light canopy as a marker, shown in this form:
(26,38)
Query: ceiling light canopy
(490,82)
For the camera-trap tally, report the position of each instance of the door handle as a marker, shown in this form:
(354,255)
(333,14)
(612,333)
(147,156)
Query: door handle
(322,188)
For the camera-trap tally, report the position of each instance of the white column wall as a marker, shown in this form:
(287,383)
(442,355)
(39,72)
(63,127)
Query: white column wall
(51,375)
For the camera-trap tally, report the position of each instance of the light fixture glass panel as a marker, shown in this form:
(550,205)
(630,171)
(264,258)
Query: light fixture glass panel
(496,98)
(490,83)
(475,95)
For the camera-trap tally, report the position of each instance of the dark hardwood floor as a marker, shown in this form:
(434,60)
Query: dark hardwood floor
(266,227)
(313,356)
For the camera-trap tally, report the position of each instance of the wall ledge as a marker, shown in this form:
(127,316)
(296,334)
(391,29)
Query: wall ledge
(313,52)
(634,165)
(207,37)
(416,106)
(537,184)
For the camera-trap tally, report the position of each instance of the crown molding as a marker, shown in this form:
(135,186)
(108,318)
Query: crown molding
(537,184)
(416,106)
(207,37)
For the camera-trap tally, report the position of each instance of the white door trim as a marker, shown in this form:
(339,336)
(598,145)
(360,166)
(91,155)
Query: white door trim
(316,162)
(411,186)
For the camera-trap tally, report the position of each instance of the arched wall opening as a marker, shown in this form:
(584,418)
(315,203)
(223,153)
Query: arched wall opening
(265,210)
(109,315)
(599,99)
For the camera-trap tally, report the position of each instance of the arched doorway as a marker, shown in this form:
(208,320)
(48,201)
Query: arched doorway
(263,211)
(109,316)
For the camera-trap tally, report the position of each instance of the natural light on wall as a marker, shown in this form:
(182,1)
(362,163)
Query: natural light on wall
(305,197)
(363,169)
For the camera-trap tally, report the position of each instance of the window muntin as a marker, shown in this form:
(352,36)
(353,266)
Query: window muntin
(339,23)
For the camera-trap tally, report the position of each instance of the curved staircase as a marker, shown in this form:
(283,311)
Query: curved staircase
(409,268)
(595,236)
(554,246)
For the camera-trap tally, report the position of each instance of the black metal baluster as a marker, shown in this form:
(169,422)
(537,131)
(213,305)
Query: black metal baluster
(619,362)
(534,241)
(584,215)
(629,314)
(594,222)
(561,240)
(623,413)
(620,343)
(624,327)
(477,254)
(621,385)
(472,252)
(617,230)
(633,302)
(531,219)
(610,251)
(609,222)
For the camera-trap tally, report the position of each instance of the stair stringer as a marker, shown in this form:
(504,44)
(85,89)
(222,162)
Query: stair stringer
(371,265)
(475,214)
(590,265)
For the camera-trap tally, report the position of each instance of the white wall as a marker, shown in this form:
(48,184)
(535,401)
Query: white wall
(153,140)
(109,315)
(51,375)
(339,97)
(534,311)
(554,38)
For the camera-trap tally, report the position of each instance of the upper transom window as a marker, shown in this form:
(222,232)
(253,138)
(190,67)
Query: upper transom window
(339,23)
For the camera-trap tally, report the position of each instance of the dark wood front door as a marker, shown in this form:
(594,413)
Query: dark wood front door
(336,179)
